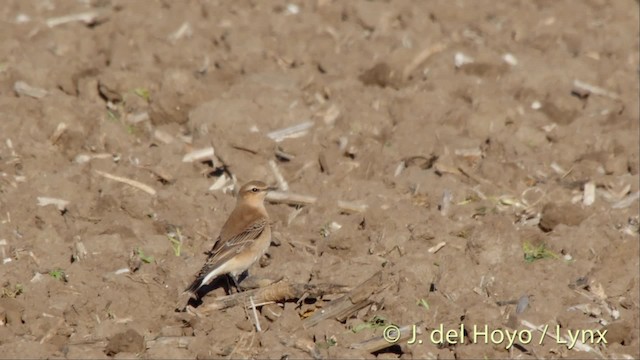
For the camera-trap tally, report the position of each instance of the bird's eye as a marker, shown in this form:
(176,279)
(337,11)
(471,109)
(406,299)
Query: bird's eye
(255,189)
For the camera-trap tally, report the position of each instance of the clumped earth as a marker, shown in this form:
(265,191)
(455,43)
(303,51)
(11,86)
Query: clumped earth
(488,152)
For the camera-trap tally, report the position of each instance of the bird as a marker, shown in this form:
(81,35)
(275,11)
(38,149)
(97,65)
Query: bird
(243,239)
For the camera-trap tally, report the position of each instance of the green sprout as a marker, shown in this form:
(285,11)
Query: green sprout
(176,241)
(143,93)
(325,231)
(467,200)
(113,115)
(532,253)
(423,303)
(145,258)
(12,293)
(373,323)
(58,274)
(332,341)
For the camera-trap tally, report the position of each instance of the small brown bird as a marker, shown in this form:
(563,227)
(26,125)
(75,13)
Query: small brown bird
(244,238)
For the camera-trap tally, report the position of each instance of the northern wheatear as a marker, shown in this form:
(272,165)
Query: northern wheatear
(244,238)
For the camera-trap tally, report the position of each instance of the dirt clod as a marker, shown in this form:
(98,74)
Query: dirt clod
(567,214)
(619,332)
(380,74)
(129,341)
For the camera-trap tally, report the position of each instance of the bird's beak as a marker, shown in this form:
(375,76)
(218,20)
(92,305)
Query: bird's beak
(272,188)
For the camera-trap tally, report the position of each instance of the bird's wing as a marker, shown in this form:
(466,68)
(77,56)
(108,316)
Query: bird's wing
(223,251)
(248,234)
(214,247)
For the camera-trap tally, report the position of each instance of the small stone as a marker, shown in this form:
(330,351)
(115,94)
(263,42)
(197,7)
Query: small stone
(632,163)
(380,75)
(265,260)
(12,311)
(108,91)
(626,303)
(460,59)
(245,325)
(618,333)
(129,341)
(616,165)
(272,311)
(568,214)
(202,347)
(510,59)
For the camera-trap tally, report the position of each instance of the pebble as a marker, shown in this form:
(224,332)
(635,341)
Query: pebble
(616,165)
(129,341)
(618,332)
(272,312)
(568,214)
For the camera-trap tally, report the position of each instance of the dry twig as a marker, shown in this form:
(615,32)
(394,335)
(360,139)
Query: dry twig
(437,247)
(282,183)
(255,314)
(146,188)
(89,17)
(175,341)
(351,206)
(583,86)
(291,132)
(199,155)
(324,166)
(421,58)
(280,291)
(290,198)
(355,300)
(59,203)
(22,88)
(60,129)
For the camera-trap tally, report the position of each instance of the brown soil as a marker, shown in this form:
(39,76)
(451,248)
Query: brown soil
(516,146)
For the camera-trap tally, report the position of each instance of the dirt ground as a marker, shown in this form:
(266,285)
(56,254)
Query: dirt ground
(488,152)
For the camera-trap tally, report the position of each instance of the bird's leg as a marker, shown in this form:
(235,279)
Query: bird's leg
(239,278)
(243,275)
(229,289)
(234,278)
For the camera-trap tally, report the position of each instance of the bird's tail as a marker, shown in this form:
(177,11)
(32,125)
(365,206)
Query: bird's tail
(195,285)
(206,274)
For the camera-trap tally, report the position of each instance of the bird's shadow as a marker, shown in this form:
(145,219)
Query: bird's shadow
(225,282)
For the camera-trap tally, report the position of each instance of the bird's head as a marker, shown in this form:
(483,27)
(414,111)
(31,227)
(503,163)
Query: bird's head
(254,192)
